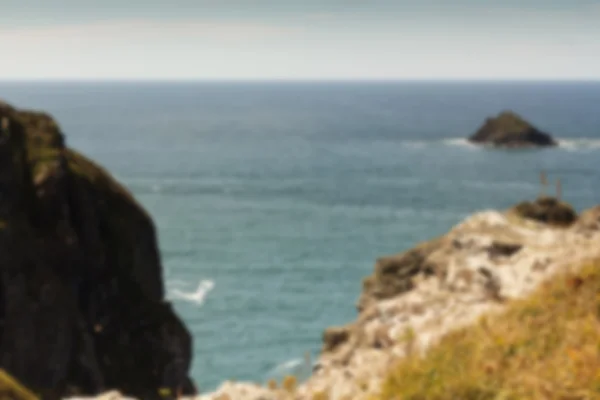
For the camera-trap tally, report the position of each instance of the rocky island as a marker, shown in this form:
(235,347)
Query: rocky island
(510,130)
(82,306)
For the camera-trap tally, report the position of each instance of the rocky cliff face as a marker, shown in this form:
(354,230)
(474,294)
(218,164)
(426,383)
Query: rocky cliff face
(82,303)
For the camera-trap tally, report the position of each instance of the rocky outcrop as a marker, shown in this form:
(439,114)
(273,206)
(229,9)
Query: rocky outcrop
(393,275)
(512,131)
(414,298)
(82,304)
(589,220)
(335,336)
(548,210)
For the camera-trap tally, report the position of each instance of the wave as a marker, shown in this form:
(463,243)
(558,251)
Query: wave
(298,367)
(288,366)
(454,142)
(567,144)
(196,297)
(580,144)
(459,142)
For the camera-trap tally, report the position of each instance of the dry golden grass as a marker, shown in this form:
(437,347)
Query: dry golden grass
(320,396)
(11,389)
(544,347)
(272,384)
(289,383)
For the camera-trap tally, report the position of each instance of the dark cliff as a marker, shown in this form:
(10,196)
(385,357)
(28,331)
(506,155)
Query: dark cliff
(82,304)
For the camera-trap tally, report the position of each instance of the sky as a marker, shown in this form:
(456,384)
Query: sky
(299,39)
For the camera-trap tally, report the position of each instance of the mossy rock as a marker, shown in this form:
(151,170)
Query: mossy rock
(547,210)
(82,305)
(12,389)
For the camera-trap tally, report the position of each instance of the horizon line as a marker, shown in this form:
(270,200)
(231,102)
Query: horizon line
(301,80)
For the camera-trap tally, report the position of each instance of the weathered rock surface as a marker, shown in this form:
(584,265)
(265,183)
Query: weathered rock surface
(548,210)
(335,336)
(589,220)
(511,130)
(414,298)
(82,306)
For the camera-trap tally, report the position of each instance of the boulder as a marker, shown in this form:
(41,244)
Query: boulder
(394,274)
(82,307)
(589,220)
(335,336)
(511,131)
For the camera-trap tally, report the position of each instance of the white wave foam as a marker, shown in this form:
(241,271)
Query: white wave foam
(567,144)
(456,142)
(579,144)
(288,366)
(298,367)
(459,142)
(196,297)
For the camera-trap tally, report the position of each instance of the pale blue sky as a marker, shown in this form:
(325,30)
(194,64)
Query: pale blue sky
(309,39)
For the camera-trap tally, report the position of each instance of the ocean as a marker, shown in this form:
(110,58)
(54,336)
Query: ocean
(273,200)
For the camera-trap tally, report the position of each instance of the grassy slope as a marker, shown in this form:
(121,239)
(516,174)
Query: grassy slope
(544,347)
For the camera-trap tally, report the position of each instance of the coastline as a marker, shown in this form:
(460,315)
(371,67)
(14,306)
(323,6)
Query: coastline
(479,267)
(408,304)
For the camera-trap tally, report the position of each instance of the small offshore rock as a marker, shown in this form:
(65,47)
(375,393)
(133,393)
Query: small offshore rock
(510,130)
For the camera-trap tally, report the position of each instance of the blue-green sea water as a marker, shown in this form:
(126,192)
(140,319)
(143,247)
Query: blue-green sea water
(282,195)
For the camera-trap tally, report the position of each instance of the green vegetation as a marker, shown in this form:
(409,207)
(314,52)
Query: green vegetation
(11,389)
(92,173)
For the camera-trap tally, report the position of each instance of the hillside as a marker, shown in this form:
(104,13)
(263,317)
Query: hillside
(542,347)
